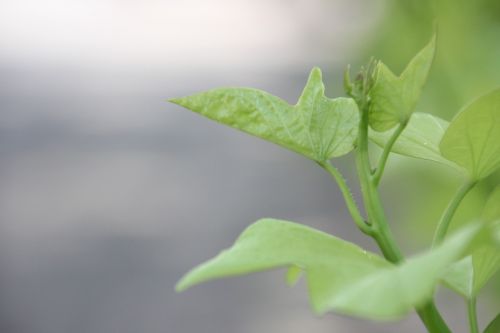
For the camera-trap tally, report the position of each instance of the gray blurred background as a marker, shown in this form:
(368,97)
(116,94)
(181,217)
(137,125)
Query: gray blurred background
(108,194)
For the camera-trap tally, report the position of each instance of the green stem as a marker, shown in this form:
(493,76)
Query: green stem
(385,154)
(346,192)
(432,320)
(429,314)
(471,309)
(444,222)
(371,198)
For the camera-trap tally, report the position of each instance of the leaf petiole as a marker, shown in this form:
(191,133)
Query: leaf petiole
(382,234)
(445,220)
(472,313)
(385,154)
(376,215)
(348,197)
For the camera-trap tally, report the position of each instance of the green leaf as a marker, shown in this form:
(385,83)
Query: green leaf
(491,214)
(491,211)
(473,138)
(420,138)
(317,127)
(340,275)
(495,234)
(393,98)
(329,263)
(391,292)
(470,275)
(494,326)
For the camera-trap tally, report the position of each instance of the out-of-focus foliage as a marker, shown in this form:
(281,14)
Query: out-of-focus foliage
(467,64)
(340,275)
(469,275)
(420,138)
(473,138)
(494,326)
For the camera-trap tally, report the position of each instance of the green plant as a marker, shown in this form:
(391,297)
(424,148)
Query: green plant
(340,275)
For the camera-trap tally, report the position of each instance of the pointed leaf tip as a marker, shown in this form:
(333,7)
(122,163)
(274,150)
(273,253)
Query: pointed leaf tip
(179,287)
(314,87)
(394,98)
(183,284)
(316,71)
(176,100)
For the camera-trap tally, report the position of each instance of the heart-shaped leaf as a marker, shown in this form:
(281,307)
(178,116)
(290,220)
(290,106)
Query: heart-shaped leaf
(393,98)
(473,138)
(340,275)
(317,127)
(420,138)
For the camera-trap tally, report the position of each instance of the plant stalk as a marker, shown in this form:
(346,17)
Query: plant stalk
(429,314)
(444,222)
(432,319)
(349,199)
(385,153)
(472,312)
(371,198)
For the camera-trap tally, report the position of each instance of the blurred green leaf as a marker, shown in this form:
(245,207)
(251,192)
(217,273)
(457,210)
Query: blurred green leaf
(470,275)
(389,293)
(494,326)
(317,127)
(420,138)
(340,275)
(473,138)
(491,211)
(330,264)
(393,98)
